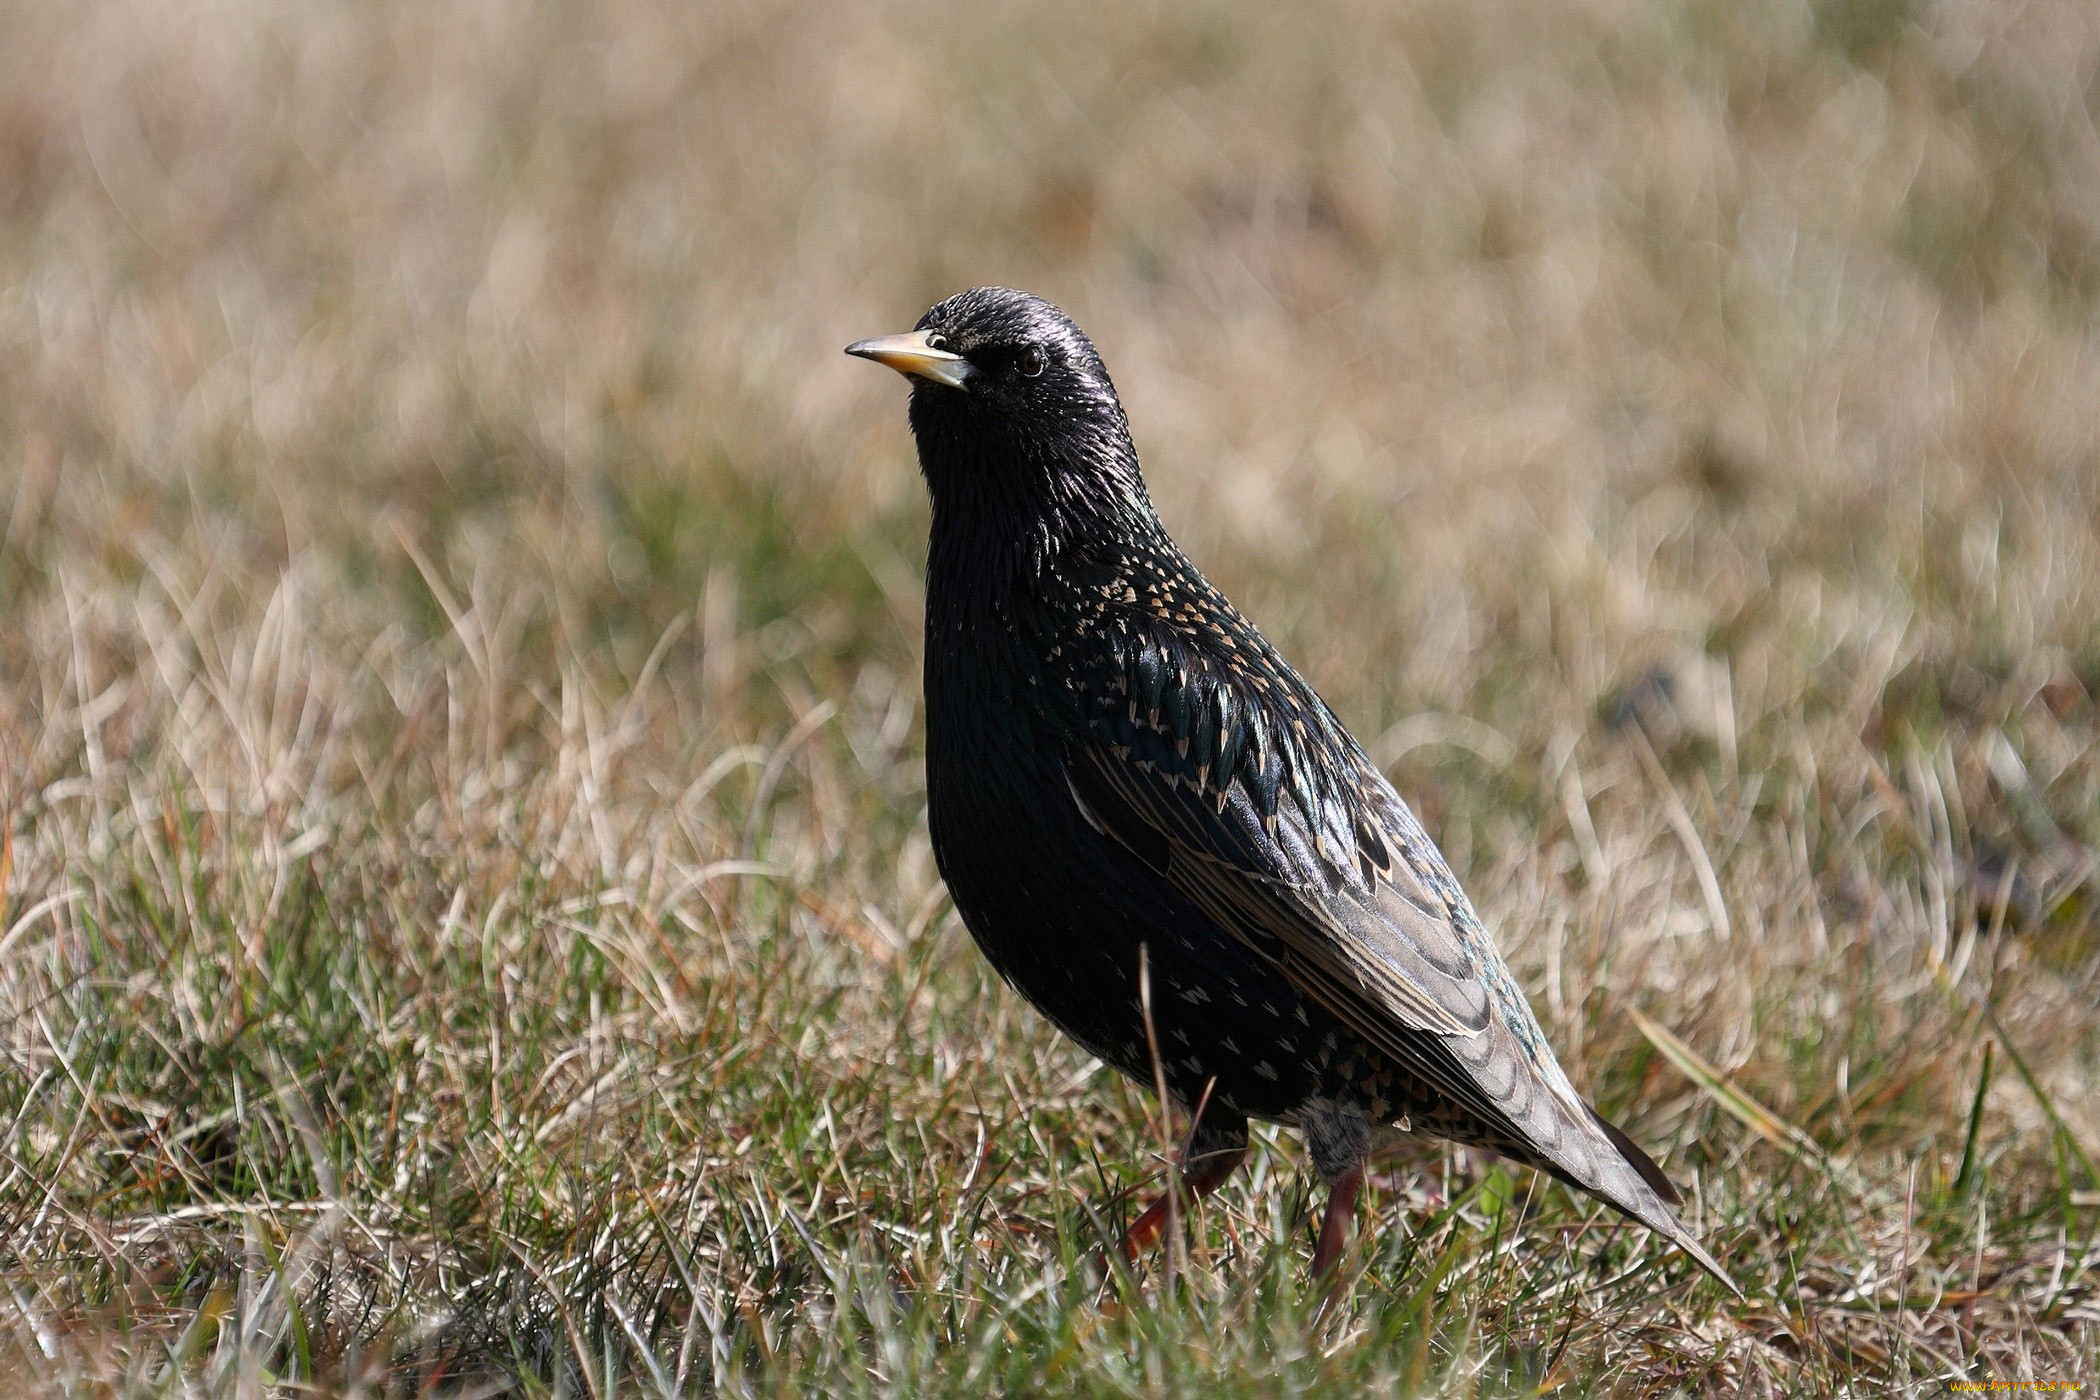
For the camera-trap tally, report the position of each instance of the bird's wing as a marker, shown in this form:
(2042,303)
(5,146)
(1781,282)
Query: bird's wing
(1386,944)
(1232,779)
(1192,743)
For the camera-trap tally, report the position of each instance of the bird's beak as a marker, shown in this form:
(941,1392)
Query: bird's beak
(910,354)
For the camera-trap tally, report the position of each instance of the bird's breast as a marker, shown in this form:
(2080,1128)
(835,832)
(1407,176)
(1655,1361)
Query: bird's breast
(1074,921)
(1041,889)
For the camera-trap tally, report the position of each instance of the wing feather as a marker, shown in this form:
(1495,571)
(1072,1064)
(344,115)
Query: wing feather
(1215,764)
(1382,955)
(1238,785)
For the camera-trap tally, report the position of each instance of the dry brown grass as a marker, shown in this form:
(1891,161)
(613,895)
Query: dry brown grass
(468,913)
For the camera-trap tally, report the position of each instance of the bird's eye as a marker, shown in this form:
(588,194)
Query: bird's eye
(936,341)
(1031,362)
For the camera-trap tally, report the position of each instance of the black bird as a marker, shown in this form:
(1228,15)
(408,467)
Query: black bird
(1164,839)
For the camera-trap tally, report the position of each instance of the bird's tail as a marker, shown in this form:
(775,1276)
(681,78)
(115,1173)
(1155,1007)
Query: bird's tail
(1636,1187)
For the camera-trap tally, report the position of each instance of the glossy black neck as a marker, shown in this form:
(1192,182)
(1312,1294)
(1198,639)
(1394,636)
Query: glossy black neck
(1009,500)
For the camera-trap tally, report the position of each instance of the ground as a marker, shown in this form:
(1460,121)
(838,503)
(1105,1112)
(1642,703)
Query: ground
(468,918)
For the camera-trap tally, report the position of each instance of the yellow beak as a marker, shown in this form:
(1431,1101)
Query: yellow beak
(910,354)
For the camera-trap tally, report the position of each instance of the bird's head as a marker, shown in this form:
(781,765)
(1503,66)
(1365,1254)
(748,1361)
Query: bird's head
(1012,408)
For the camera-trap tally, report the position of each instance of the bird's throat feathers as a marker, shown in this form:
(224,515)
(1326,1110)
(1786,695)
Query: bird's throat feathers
(1011,498)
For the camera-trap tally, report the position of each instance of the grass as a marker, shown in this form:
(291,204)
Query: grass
(468,921)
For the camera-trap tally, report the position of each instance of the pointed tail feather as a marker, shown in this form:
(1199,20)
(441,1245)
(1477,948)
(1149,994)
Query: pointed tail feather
(1642,1192)
(1637,1159)
(1663,1222)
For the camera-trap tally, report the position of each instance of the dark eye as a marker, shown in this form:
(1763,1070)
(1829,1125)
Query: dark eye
(936,341)
(1031,362)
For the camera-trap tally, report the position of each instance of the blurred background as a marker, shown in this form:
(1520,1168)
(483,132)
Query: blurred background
(461,616)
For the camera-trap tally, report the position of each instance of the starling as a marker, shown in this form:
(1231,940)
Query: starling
(1163,838)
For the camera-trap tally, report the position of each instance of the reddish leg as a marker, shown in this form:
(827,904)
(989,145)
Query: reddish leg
(1334,1226)
(1199,1177)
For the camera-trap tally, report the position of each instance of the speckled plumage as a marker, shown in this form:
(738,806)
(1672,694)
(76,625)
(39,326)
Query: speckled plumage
(1130,791)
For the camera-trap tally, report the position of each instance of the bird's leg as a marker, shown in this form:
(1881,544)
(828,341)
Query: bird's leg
(1340,1142)
(1216,1146)
(1201,1174)
(1334,1226)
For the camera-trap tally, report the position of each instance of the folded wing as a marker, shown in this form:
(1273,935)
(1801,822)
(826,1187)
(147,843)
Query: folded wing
(1237,785)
